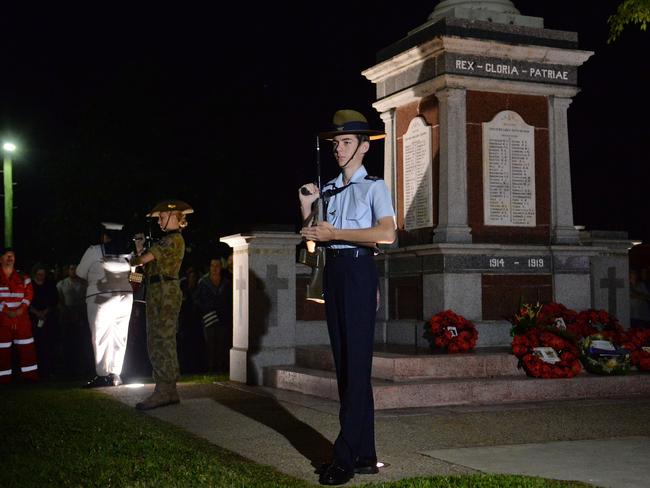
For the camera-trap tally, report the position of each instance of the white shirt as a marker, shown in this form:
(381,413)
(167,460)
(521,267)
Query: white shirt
(104,274)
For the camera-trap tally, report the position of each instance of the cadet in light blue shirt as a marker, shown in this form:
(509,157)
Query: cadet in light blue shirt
(361,206)
(358,216)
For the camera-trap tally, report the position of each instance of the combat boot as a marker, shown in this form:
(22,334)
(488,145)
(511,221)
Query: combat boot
(163,394)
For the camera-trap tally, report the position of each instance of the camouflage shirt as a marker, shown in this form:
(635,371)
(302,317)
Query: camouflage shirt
(169,252)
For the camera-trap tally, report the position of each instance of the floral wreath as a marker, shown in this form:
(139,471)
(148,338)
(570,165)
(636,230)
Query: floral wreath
(558,315)
(547,352)
(590,322)
(605,365)
(447,330)
(598,325)
(638,342)
(547,315)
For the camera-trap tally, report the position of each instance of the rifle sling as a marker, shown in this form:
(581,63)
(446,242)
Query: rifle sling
(326,195)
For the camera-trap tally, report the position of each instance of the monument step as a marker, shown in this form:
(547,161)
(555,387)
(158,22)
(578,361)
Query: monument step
(402,363)
(440,392)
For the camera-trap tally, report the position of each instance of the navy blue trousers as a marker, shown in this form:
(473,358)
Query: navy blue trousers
(350,286)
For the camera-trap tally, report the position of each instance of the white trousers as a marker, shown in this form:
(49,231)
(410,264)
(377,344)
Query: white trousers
(108,317)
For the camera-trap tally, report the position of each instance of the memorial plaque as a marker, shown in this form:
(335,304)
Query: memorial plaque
(509,171)
(416,175)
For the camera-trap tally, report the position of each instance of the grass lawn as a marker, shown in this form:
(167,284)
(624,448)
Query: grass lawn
(56,434)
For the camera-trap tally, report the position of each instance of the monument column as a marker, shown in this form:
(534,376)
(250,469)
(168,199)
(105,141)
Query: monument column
(562,228)
(390,170)
(264,303)
(452,216)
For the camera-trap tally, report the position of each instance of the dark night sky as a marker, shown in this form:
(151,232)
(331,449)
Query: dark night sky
(119,107)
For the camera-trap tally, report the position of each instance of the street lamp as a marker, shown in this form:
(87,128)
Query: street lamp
(8,148)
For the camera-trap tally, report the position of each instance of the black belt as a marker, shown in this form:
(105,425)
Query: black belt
(159,278)
(350,252)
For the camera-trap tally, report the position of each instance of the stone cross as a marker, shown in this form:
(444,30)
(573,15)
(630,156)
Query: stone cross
(612,284)
(275,284)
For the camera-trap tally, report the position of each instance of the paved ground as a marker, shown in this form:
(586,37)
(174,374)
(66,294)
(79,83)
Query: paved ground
(603,442)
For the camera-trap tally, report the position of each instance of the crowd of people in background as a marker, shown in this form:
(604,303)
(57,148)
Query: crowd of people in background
(61,333)
(206,318)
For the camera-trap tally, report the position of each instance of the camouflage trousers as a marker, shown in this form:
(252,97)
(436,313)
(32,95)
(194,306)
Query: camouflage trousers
(163,305)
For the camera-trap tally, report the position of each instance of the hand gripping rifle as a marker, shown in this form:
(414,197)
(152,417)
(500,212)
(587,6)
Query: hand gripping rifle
(141,244)
(314,256)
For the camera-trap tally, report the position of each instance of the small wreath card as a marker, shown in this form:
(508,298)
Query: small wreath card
(546,354)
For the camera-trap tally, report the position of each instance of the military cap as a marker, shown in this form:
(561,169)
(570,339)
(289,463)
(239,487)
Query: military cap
(112,226)
(351,122)
(171,206)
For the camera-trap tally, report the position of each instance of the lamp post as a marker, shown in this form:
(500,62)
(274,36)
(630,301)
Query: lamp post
(8,148)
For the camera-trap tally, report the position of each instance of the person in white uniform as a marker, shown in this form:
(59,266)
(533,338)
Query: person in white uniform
(109,299)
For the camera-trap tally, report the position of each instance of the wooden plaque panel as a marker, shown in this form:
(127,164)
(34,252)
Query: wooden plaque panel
(502,294)
(405,297)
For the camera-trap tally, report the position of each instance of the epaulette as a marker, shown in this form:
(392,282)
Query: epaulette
(372,178)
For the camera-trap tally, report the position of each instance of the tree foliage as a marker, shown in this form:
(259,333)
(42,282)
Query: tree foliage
(629,12)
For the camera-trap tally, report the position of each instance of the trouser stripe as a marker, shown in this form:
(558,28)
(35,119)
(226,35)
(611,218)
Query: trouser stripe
(22,342)
(4,345)
(26,369)
(5,372)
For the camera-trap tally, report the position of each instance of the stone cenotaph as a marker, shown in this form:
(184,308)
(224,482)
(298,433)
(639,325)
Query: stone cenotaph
(475,104)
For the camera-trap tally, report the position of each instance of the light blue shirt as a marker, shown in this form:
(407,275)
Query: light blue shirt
(358,207)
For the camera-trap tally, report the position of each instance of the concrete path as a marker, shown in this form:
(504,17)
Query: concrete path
(616,462)
(602,442)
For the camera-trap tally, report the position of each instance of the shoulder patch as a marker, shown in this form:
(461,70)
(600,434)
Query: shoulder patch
(372,178)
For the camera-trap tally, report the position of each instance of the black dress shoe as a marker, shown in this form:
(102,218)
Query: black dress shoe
(335,474)
(321,468)
(98,382)
(362,467)
(114,380)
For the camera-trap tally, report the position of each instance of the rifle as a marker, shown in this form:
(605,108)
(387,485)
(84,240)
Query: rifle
(141,243)
(314,256)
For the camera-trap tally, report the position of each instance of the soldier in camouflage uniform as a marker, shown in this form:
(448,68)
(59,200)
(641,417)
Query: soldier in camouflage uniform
(162,264)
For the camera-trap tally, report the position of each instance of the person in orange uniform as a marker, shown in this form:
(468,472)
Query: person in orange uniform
(15,325)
